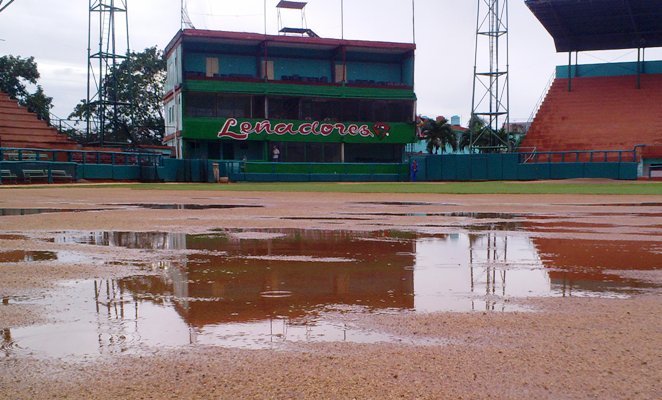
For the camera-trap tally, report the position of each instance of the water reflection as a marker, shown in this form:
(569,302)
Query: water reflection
(33,211)
(16,256)
(261,288)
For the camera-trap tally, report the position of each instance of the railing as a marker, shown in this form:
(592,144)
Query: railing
(536,108)
(578,156)
(80,156)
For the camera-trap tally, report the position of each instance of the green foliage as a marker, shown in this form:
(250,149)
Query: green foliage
(485,138)
(39,104)
(439,134)
(15,74)
(137,84)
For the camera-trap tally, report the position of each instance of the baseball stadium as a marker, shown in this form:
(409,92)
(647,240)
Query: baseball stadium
(300,229)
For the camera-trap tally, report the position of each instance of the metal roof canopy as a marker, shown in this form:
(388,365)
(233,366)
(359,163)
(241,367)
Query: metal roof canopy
(294,5)
(587,25)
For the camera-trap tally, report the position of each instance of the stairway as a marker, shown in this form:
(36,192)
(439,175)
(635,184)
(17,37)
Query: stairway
(20,128)
(600,113)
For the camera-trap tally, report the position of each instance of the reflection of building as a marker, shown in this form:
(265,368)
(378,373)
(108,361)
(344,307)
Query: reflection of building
(230,95)
(230,283)
(234,280)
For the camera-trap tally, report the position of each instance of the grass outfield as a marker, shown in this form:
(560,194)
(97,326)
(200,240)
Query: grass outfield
(535,187)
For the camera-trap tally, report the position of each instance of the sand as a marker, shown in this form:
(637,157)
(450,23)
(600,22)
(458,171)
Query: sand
(566,348)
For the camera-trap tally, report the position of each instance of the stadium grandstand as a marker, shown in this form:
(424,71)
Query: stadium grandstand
(614,106)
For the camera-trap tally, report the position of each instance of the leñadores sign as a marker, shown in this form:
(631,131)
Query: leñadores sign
(241,130)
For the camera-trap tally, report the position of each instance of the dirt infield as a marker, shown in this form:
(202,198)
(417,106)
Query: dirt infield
(605,347)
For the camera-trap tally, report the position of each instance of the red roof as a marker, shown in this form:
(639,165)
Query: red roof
(314,41)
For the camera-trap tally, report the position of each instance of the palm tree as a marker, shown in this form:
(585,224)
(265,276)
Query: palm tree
(438,134)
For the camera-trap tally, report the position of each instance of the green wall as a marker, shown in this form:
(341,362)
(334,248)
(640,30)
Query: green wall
(285,89)
(486,167)
(208,129)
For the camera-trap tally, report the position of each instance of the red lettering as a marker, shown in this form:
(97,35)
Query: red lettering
(341,129)
(264,126)
(353,129)
(280,129)
(246,127)
(364,130)
(225,130)
(305,129)
(326,129)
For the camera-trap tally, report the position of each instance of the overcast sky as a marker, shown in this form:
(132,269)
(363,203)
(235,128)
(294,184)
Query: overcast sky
(55,33)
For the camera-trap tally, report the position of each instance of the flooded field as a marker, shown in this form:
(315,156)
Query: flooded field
(263,288)
(203,296)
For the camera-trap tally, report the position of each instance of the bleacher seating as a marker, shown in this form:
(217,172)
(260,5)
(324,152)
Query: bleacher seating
(600,113)
(20,128)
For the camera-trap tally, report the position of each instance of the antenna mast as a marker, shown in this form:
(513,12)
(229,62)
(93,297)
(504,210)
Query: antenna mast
(491,87)
(186,20)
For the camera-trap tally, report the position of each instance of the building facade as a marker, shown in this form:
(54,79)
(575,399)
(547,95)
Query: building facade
(235,96)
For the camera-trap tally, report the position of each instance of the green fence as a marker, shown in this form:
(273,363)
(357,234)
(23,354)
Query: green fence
(454,167)
(527,166)
(253,171)
(20,165)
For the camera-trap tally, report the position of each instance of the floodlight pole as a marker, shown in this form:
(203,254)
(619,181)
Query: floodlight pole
(102,96)
(491,84)
(2,8)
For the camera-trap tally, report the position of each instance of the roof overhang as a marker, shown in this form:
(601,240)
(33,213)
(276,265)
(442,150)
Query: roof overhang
(287,41)
(586,25)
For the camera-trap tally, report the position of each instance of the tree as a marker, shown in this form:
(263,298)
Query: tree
(438,134)
(484,137)
(15,74)
(137,86)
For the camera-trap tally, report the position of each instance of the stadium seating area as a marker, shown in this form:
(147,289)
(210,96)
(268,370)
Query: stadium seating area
(600,113)
(20,128)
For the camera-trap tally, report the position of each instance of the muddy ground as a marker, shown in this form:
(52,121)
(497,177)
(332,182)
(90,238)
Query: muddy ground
(567,348)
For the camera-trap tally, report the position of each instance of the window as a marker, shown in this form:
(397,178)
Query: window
(340,73)
(211,67)
(233,107)
(267,70)
(200,105)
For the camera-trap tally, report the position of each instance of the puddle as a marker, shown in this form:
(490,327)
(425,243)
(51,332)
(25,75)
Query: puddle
(188,206)
(402,203)
(12,237)
(33,211)
(17,256)
(265,288)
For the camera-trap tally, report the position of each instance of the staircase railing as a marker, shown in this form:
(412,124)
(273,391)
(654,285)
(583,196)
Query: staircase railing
(536,108)
(68,127)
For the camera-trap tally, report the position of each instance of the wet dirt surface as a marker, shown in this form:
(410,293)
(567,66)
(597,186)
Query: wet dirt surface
(365,296)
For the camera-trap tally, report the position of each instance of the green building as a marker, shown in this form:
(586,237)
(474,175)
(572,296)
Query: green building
(232,95)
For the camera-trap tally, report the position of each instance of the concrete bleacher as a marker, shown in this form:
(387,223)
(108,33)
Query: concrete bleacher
(20,128)
(599,113)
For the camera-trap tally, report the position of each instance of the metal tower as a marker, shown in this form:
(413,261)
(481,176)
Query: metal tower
(185,19)
(113,48)
(2,7)
(491,88)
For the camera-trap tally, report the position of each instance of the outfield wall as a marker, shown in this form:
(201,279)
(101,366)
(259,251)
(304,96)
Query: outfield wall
(451,167)
(506,167)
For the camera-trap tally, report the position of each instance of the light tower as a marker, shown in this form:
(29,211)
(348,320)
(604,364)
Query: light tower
(491,88)
(105,16)
(5,5)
